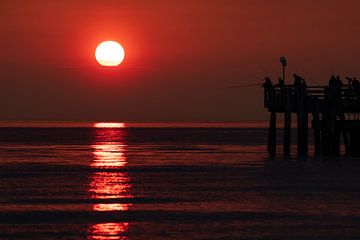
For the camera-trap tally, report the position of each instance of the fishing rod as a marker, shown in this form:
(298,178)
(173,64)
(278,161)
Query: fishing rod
(246,85)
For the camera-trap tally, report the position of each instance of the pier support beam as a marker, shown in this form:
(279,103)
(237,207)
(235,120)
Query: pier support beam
(345,134)
(331,132)
(305,140)
(316,127)
(271,146)
(272,135)
(302,124)
(287,122)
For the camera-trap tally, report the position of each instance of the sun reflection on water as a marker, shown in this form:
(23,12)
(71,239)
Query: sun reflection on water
(108,231)
(109,182)
(108,155)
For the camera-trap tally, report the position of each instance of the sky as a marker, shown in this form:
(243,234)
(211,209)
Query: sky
(181,56)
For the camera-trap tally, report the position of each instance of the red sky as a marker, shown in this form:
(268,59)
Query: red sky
(181,56)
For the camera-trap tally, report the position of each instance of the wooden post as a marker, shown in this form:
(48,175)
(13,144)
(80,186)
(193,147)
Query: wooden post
(334,131)
(341,112)
(272,128)
(305,133)
(301,126)
(299,115)
(316,126)
(287,122)
(345,134)
(266,97)
(325,134)
(272,135)
(331,141)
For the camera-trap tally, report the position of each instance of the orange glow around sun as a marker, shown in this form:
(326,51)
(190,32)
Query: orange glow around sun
(109,54)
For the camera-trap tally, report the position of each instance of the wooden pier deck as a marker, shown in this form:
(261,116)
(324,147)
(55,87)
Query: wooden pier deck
(334,111)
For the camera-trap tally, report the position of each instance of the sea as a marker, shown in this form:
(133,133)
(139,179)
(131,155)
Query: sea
(123,181)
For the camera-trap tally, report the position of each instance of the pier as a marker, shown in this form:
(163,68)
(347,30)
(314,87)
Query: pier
(332,111)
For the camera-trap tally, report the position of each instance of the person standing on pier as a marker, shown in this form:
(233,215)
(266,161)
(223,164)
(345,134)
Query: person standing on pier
(299,82)
(332,81)
(281,83)
(339,82)
(268,83)
(335,84)
(268,92)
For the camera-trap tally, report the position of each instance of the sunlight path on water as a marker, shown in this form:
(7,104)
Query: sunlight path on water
(109,153)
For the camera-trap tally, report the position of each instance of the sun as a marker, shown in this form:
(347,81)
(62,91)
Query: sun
(109,54)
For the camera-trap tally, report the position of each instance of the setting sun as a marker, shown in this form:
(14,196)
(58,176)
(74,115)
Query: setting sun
(109,54)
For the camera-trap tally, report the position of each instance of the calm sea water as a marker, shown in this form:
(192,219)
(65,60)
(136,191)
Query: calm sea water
(167,181)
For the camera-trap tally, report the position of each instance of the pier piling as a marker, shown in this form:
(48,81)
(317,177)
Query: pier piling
(287,122)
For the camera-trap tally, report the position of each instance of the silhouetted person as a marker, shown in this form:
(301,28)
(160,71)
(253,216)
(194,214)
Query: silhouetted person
(339,83)
(335,85)
(281,83)
(332,81)
(268,83)
(299,82)
(349,92)
(269,91)
(349,82)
